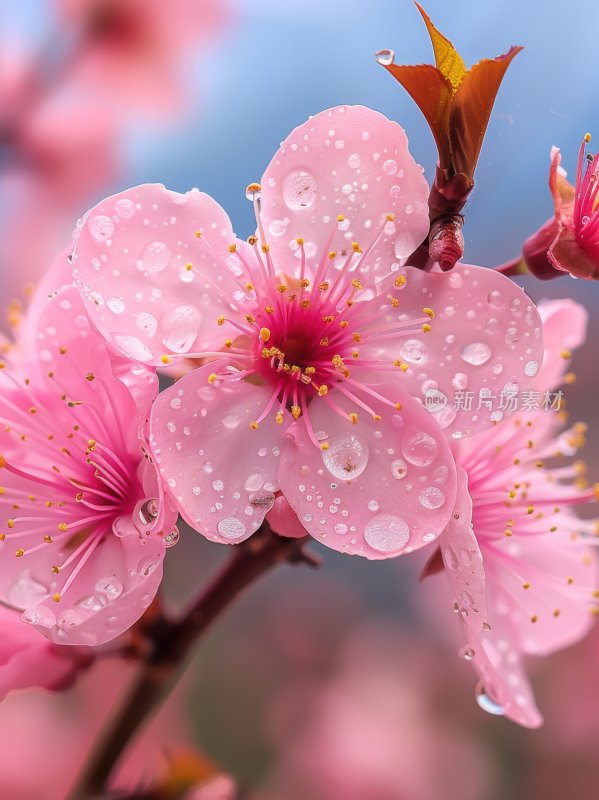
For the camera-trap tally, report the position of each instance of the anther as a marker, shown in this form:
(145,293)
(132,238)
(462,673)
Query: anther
(296,412)
(254,426)
(197,234)
(212,378)
(264,334)
(90,377)
(400,280)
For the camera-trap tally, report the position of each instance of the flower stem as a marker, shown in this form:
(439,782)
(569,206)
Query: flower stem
(171,643)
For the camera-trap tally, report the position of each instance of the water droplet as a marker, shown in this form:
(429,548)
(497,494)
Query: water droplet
(155,257)
(476,353)
(39,615)
(231,421)
(218,486)
(147,323)
(354,161)
(373,505)
(125,208)
(385,57)
(132,346)
(486,702)
(390,166)
(116,304)
(432,497)
(399,468)
(450,557)
(341,528)
(93,603)
(420,449)
(68,619)
(346,457)
(455,280)
(171,539)
(101,227)
(387,533)
(253,192)
(467,653)
(278,227)
(111,586)
(531,368)
(147,566)
(413,351)
(300,190)
(26,591)
(254,482)
(495,299)
(459,381)
(180,328)
(231,528)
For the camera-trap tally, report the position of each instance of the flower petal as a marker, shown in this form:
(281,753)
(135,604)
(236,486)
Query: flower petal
(382,488)
(463,558)
(564,329)
(485,343)
(348,161)
(148,280)
(222,474)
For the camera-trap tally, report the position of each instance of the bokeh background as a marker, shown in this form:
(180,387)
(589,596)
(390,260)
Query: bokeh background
(342,683)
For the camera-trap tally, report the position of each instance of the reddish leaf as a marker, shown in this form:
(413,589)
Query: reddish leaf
(448,60)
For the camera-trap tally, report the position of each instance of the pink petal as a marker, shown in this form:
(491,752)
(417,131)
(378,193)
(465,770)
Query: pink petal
(222,475)
(132,259)
(486,336)
(403,487)
(283,520)
(463,559)
(564,329)
(504,688)
(351,161)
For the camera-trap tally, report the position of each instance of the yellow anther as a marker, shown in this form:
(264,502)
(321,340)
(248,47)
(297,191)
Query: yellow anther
(20,552)
(33,410)
(332,255)
(323,286)
(353,417)
(253,188)
(55,569)
(508,532)
(56,597)
(189,267)
(90,377)
(296,412)
(324,446)
(269,309)
(232,248)
(305,304)
(249,287)
(281,288)
(530,510)
(534,618)
(212,377)
(426,327)
(228,343)
(2,537)
(557,612)
(357,284)
(566,354)
(356,337)
(48,539)
(252,240)
(254,426)
(356,247)
(300,241)
(304,283)
(91,444)
(265,248)
(250,319)
(62,527)
(198,234)
(279,417)
(322,390)
(390,217)
(511,494)
(553,529)
(526,585)
(344,323)
(165,359)
(264,334)
(310,370)
(398,406)
(587,137)
(376,417)
(220,320)
(355,354)
(429,312)
(62,350)
(340,218)
(569,378)
(324,341)
(400,280)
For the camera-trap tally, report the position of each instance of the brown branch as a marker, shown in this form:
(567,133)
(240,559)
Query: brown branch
(171,643)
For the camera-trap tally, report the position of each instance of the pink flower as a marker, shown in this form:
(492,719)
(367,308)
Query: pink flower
(538,587)
(82,512)
(27,659)
(326,344)
(570,242)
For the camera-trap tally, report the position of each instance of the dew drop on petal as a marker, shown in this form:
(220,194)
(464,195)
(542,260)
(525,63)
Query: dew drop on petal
(495,299)
(531,368)
(39,615)
(93,603)
(420,449)
(486,702)
(476,353)
(299,190)
(180,328)
(390,166)
(111,586)
(231,528)
(155,257)
(116,304)
(171,539)
(101,227)
(459,381)
(147,323)
(399,468)
(387,533)
(26,591)
(431,497)
(385,57)
(413,351)
(346,457)
(450,557)
(125,208)
(132,346)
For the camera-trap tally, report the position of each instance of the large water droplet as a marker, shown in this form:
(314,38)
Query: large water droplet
(93,603)
(495,299)
(101,227)
(346,457)
(413,351)
(180,328)
(387,533)
(299,190)
(116,304)
(171,539)
(39,615)
(420,449)
(476,353)
(432,497)
(147,323)
(385,57)
(125,208)
(155,257)
(486,702)
(231,528)
(111,586)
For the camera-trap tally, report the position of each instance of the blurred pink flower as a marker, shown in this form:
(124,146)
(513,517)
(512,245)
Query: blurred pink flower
(540,576)
(570,241)
(27,659)
(326,345)
(84,523)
